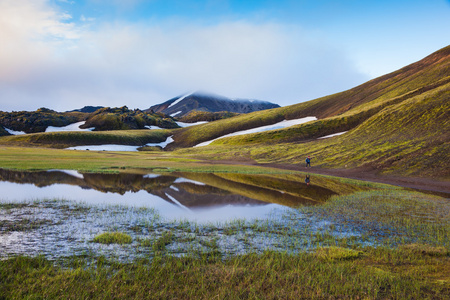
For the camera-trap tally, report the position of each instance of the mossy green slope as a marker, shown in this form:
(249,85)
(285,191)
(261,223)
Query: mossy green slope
(407,138)
(347,109)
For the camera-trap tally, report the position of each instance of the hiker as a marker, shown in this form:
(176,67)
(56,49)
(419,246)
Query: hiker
(307,180)
(308,162)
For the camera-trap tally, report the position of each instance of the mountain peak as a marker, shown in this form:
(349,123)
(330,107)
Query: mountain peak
(205,101)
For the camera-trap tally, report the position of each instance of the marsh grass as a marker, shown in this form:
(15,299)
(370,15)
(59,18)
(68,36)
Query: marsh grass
(379,273)
(113,238)
(377,244)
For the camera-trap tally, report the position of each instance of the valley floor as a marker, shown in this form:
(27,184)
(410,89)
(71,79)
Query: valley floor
(365,174)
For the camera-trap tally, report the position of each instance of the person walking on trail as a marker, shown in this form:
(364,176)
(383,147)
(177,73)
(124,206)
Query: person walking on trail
(307,180)
(308,162)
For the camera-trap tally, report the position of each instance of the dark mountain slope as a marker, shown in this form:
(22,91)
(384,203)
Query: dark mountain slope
(182,105)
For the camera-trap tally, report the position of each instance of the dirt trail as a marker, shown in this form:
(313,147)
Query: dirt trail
(366,174)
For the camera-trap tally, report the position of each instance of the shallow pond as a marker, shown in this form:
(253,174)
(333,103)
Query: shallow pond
(58,213)
(201,197)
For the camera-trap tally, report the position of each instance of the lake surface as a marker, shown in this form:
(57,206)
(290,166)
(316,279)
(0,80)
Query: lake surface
(193,196)
(57,213)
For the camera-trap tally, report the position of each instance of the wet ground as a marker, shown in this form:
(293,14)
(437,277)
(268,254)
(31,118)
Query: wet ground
(58,213)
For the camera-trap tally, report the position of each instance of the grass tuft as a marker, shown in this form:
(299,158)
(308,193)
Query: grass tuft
(113,238)
(337,253)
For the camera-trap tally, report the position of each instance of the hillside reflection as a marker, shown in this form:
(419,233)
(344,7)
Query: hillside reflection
(194,190)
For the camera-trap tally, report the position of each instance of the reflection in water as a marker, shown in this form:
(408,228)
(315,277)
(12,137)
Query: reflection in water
(145,206)
(188,190)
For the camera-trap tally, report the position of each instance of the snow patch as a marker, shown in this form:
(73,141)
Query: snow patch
(177,202)
(151,176)
(177,113)
(181,179)
(279,125)
(13,132)
(70,172)
(112,147)
(70,127)
(181,124)
(331,135)
(162,144)
(152,127)
(108,147)
(180,99)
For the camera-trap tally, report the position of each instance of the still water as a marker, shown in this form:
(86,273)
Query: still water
(58,213)
(192,196)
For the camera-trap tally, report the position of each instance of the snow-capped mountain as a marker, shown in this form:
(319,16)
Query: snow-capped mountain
(182,105)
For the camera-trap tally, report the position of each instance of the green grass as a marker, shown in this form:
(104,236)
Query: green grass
(407,138)
(374,274)
(113,238)
(399,249)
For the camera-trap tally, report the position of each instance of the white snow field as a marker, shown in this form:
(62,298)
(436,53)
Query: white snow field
(112,147)
(70,127)
(279,125)
(331,135)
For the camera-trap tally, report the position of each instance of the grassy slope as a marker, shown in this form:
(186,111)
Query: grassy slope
(72,138)
(353,106)
(410,138)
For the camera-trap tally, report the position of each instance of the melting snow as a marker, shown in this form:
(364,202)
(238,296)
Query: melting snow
(152,127)
(112,147)
(181,179)
(13,132)
(70,127)
(181,124)
(179,99)
(178,112)
(279,125)
(73,173)
(331,135)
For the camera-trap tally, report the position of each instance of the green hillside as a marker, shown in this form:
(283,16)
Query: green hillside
(397,123)
(402,127)
(349,108)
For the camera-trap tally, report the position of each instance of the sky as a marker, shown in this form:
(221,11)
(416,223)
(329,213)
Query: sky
(65,54)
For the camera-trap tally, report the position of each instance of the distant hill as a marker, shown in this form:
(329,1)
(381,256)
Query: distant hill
(39,120)
(123,118)
(88,109)
(183,105)
(106,118)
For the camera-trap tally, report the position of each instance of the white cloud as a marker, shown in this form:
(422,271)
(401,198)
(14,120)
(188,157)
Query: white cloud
(49,62)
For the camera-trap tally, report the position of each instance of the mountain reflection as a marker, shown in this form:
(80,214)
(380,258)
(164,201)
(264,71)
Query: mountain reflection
(191,190)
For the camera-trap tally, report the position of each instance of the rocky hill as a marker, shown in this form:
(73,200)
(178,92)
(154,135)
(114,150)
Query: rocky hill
(37,121)
(123,118)
(106,118)
(183,105)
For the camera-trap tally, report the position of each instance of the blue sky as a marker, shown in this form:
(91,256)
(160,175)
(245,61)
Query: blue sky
(64,54)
